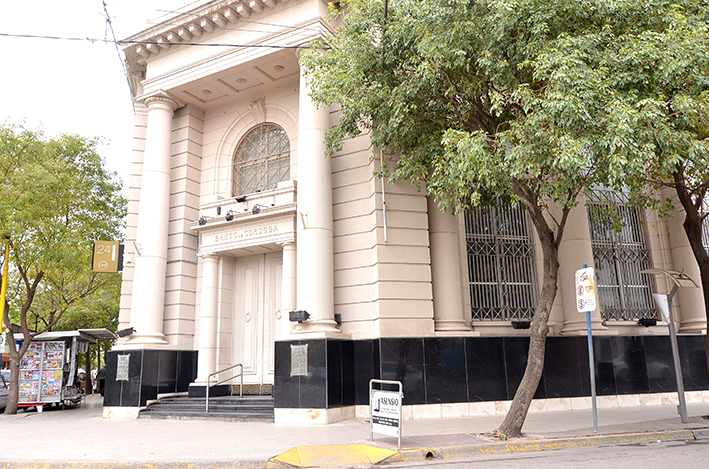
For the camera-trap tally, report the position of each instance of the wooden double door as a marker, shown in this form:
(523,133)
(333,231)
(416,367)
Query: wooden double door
(257,300)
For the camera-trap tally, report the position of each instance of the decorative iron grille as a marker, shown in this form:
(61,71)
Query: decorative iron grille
(705,225)
(262,160)
(618,239)
(500,263)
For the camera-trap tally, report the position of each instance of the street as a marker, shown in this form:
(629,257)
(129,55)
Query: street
(691,454)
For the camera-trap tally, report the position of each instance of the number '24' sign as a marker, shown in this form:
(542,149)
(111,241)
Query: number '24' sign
(107,257)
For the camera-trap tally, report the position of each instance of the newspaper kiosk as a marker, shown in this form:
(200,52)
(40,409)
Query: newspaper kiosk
(48,369)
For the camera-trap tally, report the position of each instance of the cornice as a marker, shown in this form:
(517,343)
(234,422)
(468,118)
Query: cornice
(320,30)
(193,26)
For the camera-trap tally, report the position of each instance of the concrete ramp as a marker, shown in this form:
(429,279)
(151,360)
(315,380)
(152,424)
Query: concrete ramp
(331,455)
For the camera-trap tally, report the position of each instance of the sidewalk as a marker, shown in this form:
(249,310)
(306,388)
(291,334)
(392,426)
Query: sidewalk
(82,435)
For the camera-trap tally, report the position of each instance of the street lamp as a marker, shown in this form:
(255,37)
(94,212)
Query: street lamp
(664,304)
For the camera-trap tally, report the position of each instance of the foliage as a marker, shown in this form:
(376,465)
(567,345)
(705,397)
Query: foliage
(468,96)
(56,198)
(661,77)
(520,99)
(100,310)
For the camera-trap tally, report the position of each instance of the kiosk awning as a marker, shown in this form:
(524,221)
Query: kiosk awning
(89,335)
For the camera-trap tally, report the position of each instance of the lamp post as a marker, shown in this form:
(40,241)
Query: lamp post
(664,304)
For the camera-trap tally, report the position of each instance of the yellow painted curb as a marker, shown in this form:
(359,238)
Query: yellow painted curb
(453,451)
(332,455)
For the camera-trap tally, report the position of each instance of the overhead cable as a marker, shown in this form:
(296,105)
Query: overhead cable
(125,41)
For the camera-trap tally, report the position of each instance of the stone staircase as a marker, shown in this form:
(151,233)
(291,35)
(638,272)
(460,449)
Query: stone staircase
(229,408)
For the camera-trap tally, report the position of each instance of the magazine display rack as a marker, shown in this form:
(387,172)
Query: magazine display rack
(42,373)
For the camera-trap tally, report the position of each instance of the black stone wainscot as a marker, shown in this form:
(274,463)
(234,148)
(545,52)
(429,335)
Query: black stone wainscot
(476,369)
(149,373)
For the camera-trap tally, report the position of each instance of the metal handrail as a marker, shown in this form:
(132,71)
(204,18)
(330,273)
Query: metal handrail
(241,386)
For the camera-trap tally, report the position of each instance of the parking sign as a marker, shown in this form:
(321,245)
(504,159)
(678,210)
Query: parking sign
(585,290)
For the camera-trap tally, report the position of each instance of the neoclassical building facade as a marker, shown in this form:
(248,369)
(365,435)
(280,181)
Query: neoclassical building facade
(237,218)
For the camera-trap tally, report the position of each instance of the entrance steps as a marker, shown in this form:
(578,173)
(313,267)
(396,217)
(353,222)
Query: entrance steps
(229,408)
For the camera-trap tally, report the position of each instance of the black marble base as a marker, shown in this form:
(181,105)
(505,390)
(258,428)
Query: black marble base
(432,369)
(150,372)
(200,390)
(473,369)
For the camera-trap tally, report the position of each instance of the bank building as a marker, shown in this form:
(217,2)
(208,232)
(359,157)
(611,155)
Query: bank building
(237,218)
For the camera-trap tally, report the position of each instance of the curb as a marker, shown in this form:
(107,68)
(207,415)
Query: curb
(420,454)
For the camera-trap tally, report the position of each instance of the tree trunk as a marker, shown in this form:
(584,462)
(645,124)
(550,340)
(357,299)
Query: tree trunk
(15,356)
(88,386)
(511,427)
(693,228)
(13,395)
(99,383)
(694,233)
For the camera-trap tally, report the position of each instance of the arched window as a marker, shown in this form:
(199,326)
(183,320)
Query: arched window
(262,160)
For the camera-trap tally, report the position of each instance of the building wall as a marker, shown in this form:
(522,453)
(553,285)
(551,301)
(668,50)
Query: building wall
(383,280)
(180,289)
(382,269)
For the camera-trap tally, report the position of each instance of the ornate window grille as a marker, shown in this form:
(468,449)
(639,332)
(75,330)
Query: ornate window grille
(262,160)
(620,252)
(705,225)
(500,263)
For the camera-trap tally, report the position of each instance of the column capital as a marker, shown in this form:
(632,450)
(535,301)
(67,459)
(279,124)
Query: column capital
(160,100)
(209,257)
(300,48)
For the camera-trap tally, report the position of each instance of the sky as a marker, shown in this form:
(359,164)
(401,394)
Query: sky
(75,87)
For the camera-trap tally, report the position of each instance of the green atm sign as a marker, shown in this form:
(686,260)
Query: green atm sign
(108,257)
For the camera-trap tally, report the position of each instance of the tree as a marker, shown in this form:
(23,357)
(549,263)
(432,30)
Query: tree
(56,198)
(661,78)
(100,310)
(480,100)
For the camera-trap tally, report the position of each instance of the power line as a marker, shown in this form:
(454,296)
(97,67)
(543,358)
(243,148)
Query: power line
(125,41)
(109,24)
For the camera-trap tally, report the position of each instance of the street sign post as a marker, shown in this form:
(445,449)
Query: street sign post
(587,301)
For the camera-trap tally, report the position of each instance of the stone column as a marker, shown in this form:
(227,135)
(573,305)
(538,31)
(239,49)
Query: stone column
(575,250)
(148,296)
(445,270)
(691,317)
(208,317)
(315,244)
(288,288)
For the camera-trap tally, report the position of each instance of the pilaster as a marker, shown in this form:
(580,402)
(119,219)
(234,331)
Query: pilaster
(575,251)
(691,317)
(445,270)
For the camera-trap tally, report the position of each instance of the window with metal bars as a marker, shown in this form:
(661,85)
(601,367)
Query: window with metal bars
(262,160)
(500,263)
(620,252)
(705,226)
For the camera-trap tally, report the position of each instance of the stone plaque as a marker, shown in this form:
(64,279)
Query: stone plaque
(299,360)
(122,368)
